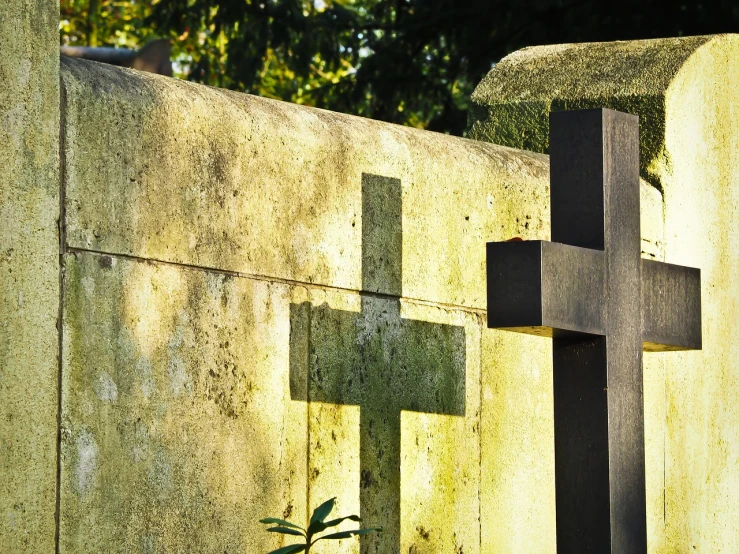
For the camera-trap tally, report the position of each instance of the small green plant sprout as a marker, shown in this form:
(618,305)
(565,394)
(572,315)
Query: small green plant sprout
(318,524)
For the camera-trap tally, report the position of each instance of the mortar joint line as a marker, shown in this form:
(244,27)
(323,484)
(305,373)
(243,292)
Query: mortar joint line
(280,280)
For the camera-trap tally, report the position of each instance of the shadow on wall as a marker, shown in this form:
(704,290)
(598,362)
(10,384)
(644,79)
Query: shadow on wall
(379,361)
(219,374)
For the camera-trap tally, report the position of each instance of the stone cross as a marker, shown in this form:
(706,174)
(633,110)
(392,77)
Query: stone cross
(377,360)
(602,304)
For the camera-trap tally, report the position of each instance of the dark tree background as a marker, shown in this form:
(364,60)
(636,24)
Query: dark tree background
(413,62)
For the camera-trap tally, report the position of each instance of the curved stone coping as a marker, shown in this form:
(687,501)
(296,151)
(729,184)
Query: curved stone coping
(511,104)
(684,91)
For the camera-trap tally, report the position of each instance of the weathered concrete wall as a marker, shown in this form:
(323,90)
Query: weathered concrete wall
(217,243)
(685,92)
(220,364)
(29,273)
(178,428)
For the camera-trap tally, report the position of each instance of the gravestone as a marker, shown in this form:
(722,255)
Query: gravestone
(279,221)
(184,208)
(590,291)
(379,361)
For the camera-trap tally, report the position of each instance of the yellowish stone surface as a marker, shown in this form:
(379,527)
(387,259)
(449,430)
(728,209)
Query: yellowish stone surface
(684,91)
(29,273)
(398,401)
(218,362)
(178,429)
(169,170)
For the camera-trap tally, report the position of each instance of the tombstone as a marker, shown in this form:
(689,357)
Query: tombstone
(278,221)
(181,208)
(590,291)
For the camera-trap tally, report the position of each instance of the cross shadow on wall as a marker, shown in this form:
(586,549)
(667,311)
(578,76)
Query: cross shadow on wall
(379,361)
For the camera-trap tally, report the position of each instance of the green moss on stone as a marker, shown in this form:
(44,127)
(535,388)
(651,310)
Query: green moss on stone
(511,105)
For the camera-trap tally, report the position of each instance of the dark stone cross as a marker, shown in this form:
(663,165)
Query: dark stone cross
(590,290)
(379,361)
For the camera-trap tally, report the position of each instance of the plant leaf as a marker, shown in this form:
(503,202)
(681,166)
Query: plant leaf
(347,534)
(319,526)
(280,522)
(339,535)
(335,522)
(286,531)
(316,527)
(289,549)
(320,513)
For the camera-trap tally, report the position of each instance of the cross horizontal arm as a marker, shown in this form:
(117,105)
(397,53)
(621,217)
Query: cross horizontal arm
(545,288)
(551,289)
(671,303)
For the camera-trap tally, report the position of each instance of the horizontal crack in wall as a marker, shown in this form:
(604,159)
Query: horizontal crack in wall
(257,277)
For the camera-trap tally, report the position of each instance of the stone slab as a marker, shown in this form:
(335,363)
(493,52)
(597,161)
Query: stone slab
(178,430)
(511,104)
(29,274)
(185,413)
(206,177)
(199,178)
(163,169)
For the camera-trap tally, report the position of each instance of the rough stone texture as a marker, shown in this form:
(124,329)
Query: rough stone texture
(517,421)
(512,103)
(290,205)
(684,92)
(165,169)
(395,408)
(178,432)
(410,407)
(29,273)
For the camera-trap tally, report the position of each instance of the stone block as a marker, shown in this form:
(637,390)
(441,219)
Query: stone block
(169,170)
(327,205)
(29,274)
(178,430)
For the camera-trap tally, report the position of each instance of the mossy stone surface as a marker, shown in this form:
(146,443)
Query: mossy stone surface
(164,169)
(178,430)
(374,236)
(511,104)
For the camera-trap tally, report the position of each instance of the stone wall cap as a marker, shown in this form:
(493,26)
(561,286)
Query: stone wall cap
(639,67)
(657,79)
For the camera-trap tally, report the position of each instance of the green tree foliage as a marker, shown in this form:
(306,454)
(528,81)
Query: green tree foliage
(105,23)
(413,62)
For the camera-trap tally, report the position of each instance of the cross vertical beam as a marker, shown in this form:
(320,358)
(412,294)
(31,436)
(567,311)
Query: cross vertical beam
(598,392)
(602,304)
